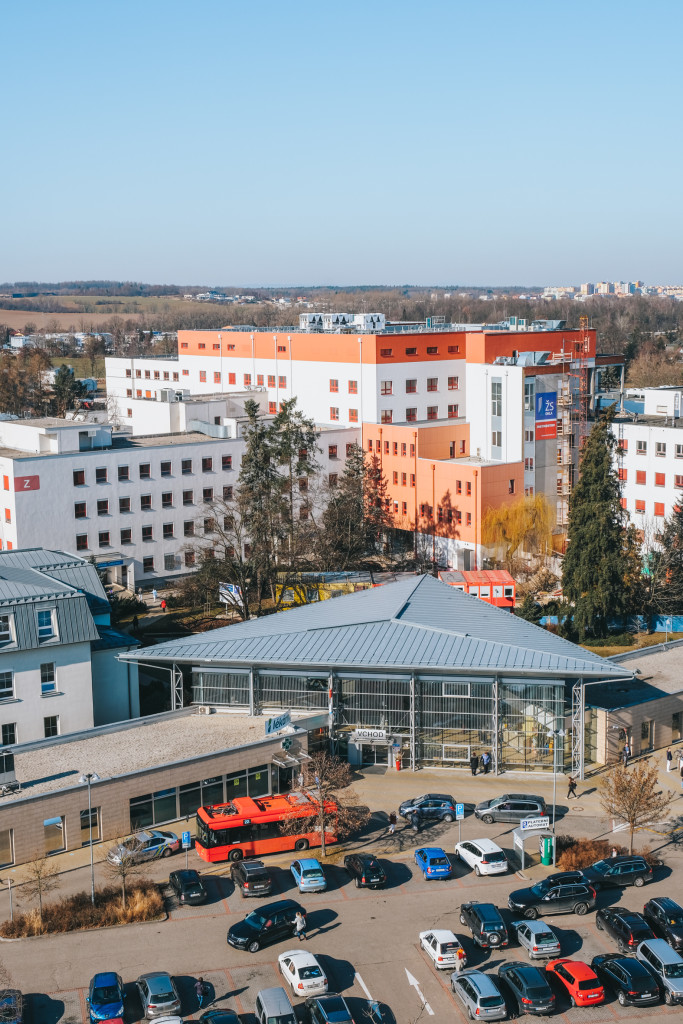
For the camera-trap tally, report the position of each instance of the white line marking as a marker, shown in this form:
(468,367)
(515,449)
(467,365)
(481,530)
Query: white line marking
(363,985)
(423,1002)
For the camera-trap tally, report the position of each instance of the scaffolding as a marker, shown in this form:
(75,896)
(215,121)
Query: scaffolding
(578,729)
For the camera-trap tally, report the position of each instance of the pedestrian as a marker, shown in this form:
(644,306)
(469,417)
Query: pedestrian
(163,604)
(626,753)
(135,622)
(300,780)
(415,819)
(571,791)
(139,593)
(154,595)
(669,759)
(681,776)
(300,926)
(486,761)
(200,989)
(392,823)
(460,960)
(474,763)
(614,852)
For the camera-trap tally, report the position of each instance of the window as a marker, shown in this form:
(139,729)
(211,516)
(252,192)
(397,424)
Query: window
(403,449)
(660,449)
(216,377)
(334,412)
(453,383)
(129,373)
(103,507)
(226,462)
(8,515)
(395,477)
(528,465)
(679,451)
(496,439)
(79,510)
(496,398)
(458,487)
(452,412)
(138,373)
(170,562)
(334,385)
(272,408)
(186,466)
(529,395)
(411,351)
(79,478)
(660,479)
(207,494)
(511,487)
(386,416)
(678,481)
(332,451)
(395,447)
(147,374)
(127,536)
(45,626)
(103,539)
(48,679)
(188,497)
(640,505)
(6,685)
(175,376)
(123,473)
(659,508)
(188,528)
(271,380)
(207,464)
(51,726)
(387,353)
(353,387)
(5,630)
(411,386)
(468,488)
(167,531)
(385,387)
(138,394)
(54,833)
(676,726)
(227,492)
(145,502)
(6,847)
(432,412)
(349,449)
(412,450)
(202,376)
(641,476)
(145,471)
(332,479)
(148,563)
(167,499)
(353,415)
(412,479)
(468,519)
(404,479)
(282,381)
(81,542)
(432,350)
(9,734)
(101,475)
(528,435)
(189,559)
(641,447)
(432,383)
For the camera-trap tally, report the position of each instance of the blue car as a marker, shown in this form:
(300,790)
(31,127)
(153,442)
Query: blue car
(433,862)
(308,875)
(105,997)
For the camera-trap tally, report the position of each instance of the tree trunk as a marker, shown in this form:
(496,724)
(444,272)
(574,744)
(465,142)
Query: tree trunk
(323,851)
(630,839)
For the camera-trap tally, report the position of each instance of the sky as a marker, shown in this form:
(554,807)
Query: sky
(365,142)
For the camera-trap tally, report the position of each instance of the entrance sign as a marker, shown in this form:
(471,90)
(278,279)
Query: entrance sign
(278,723)
(529,824)
(370,734)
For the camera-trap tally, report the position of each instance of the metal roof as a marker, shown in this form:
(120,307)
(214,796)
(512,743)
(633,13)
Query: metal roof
(416,623)
(46,572)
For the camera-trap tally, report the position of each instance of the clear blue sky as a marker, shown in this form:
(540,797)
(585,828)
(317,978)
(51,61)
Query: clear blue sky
(271,143)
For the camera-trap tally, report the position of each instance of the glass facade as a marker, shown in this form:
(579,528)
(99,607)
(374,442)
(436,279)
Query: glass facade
(152,809)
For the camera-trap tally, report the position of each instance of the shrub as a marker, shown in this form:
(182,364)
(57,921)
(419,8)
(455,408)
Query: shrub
(581,853)
(125,607)
(144,903)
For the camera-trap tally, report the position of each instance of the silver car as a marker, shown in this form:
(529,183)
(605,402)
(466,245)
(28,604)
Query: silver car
(158,994)
(147,845)
(479,994)
(538,939)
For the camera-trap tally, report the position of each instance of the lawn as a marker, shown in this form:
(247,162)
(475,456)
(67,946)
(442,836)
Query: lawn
(647,640)
(81,365)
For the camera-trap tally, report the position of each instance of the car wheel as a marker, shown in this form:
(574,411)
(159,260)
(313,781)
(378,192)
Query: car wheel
(668,998)
(477,869)
(235,855)
(598,924)
(254,946)
(487,819)
(357,881)
(621,996)
(530,913)
(448,818)
(462,919)
(470,1014)
(301,844)
(572,1001)
(639,881)
(424,875)
(581,909)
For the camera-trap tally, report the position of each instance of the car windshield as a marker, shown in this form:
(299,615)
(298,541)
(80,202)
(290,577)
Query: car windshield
(286,1019)
(601,866)
(673,970)
(537,993)
(587,984)
(677,922)
(439,860)
(494,926)
(312,873)
(106,994)
(255,919)
(540,889)
(493,858)
(448,947)
(310,972)
(162,996)
(543,938)
(489,1001)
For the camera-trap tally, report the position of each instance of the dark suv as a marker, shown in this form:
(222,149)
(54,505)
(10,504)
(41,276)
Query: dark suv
(665,917)
(328,1009)
(511,807)
(486,924)
(630,979)
(626,928)
(251,877)
(366,870)
(542,898)
(266,925)
(526,988)
(623,870)
(432,805)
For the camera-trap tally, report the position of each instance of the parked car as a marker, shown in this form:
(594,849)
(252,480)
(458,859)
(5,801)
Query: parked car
(485,856)
(526,988)
(628,929)
(329,1009)
(104,998)
(147,845)
(666,965)
(302,972)
(629,979)
(440,806)
(266,925)
(577,898)
(486,924)
(218,1016)
(12,1006)
(366,870)
(538,938)
(308,875)
(158,994)
(564,878)
(251,877)
(580,981)
(479,994)
(433,862)
(510,807)
(665,917)
(443,948)
(621,871)
(188,886)
(272,1004)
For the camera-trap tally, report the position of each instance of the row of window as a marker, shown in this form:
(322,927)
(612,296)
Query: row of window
(48,681)
(660,478)
(443,515)
(660,448)
(145,470)
(432,350)
(10,734)
(158,374)
(387,415)
(386,387)
(334,414)
(180,801)
(46,626)
(640,507)
(352,386)
(105,507)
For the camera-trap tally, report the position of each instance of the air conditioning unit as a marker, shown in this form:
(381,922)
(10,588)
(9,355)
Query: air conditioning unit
(204,709)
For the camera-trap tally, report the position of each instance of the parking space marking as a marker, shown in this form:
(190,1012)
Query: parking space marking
(423,1002)
(362,984)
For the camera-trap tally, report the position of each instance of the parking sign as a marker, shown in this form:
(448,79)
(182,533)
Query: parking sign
(459,812)
(187,840)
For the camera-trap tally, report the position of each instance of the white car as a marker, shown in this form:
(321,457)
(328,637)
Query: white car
(302,972)
(444,948)
(483,855)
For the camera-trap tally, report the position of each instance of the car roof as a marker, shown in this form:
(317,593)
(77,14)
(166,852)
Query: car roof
(484,844)
(272,908)
(106,978)
(483,982)
(519,796)
(623,858)
(142,836)
(663,950)
(366,856)
(277,997)
(440,796)
(432,851)
(256,865)
(535,926)
(301,956)
(309,862)
(441,934)
(485,907)
(186,874)
(666,903)
(577,968)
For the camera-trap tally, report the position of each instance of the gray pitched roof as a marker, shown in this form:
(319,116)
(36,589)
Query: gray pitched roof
(416,623)
(56,567)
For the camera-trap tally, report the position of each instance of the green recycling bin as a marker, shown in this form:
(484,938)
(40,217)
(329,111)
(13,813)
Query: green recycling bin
(547,850)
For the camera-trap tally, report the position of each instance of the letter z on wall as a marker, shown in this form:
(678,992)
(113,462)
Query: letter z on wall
(27,483)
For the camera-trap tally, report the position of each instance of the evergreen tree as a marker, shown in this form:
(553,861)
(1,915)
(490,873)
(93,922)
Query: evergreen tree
(668,567)
(530,610)
(377,513)
(66,389)
(342,544)
(598,568)
(294,445)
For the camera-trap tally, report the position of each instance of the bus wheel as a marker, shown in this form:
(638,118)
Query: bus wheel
(235,855)
(301,844)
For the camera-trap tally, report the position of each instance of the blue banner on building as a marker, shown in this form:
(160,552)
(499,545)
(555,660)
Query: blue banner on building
(546,415)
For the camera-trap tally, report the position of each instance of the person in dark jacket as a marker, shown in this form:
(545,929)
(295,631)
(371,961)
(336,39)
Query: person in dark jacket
(474,763)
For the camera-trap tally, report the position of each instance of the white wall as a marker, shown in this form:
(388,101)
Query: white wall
(72,700)
(115,691)
(669,464)
(479,379)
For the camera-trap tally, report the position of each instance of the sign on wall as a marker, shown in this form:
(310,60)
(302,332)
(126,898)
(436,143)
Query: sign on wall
(280,722)
(546,415)
(27,483)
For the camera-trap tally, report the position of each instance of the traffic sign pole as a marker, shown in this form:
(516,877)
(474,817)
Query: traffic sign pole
(187,843)
(459,815)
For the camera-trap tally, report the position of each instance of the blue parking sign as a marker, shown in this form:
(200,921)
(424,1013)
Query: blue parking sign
(187,840)
(459,812)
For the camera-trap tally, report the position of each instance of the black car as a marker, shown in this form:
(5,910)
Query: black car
(564,878)
(266,925)
(542,898)
(439,806)
(366,870)
(217,1016)
(328,1009)
(627,928)
(188,887)
(665,917)
(251,877)
(623,870)
(486,924)
(630,979)
(526,988)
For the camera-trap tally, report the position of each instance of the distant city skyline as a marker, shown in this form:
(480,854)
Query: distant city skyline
(449,142)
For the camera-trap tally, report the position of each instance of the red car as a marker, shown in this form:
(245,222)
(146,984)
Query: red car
(580,981)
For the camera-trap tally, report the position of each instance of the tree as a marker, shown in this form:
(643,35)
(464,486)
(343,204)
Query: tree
(42,879)
(66,389)
(294,444)
(93,350)
(328,780)
(124,864)
(527,523)
(666,564)
(598,568)
(632,795)
(343,520)
(378,520)
(530,610)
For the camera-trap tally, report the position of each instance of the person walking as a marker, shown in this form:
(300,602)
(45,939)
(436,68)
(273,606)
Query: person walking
(571,791)
(154,595)
(614,852)
(135,622)
(486,761)
(392,823)
(626,754)
(669,759)
(460,960)
(163,604)
(300,925)
(415,819)
(474,763)
(139,593)
(200,989)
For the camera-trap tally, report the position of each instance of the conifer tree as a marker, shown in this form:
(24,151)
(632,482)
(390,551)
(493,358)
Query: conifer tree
(668,596)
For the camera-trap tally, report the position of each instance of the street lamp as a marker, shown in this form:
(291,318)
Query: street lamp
(557,734)
(89,778)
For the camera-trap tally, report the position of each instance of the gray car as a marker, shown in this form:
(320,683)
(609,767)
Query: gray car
(511,807)
(538,939)
(158,994)
(148,845)
(479,994)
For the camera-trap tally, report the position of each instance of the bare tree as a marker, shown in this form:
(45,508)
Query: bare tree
(43,878)
(335,810)
(124,864)
(632,795)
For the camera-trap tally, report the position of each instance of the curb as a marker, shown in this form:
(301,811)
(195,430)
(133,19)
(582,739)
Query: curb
(95,928)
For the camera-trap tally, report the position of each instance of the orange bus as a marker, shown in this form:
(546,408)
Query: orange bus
(246,827)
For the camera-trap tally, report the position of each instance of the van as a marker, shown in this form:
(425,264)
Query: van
(666,964)
(273,1007)
(510,807)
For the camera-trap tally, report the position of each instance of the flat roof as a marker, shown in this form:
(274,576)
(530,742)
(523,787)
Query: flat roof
(659,673)
(670,422)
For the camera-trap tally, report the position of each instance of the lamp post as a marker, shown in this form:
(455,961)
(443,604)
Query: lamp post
(557,734)
(88,778)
